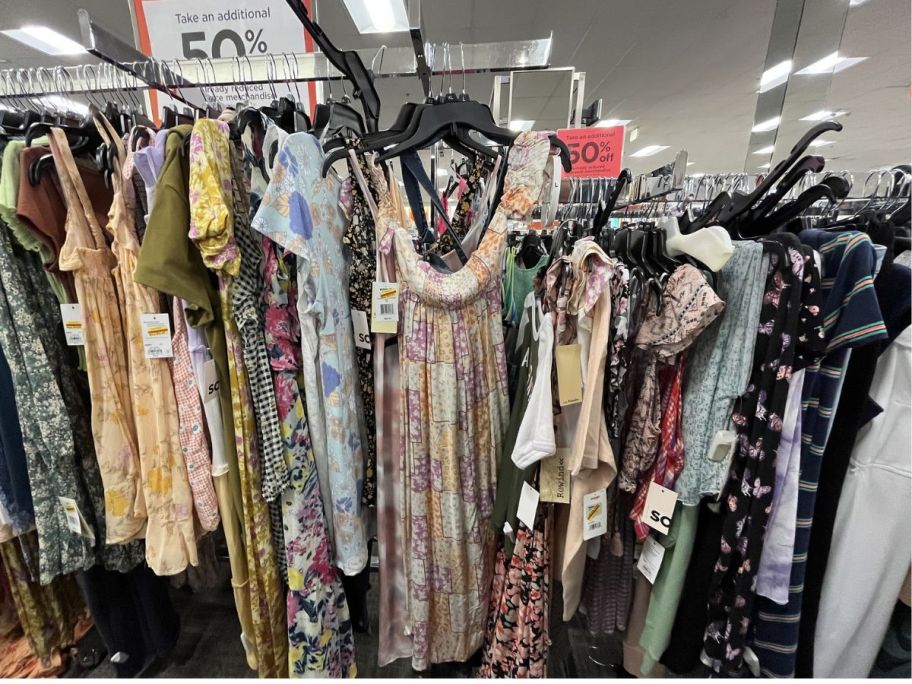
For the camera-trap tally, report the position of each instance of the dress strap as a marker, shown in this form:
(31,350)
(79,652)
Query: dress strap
(74,191)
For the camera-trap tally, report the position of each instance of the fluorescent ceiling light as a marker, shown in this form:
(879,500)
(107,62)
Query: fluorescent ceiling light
(521,125)
(823,114)
(649,150)
(764,166)
(442,171)
(856,3)
(822,143)
(634,134)
(608,123)
(831,64)
(768,125)
(769,149)
(45,40)
(691,163)
(378,16)
(699,174)
(775,76)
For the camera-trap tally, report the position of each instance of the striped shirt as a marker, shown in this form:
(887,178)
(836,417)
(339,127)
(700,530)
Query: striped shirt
(852,318)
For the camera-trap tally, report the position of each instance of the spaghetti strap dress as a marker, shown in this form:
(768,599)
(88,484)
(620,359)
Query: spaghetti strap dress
(170,534)
(454,414)
(85,252)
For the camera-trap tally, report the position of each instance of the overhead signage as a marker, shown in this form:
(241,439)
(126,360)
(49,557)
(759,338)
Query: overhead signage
(594,152)
(212,29)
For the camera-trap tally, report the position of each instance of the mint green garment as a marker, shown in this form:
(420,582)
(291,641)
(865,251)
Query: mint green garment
(517,284)
(666,592)
(9,194)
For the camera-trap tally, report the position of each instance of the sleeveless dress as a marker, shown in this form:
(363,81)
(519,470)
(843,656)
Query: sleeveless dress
(454,412)
(86,254)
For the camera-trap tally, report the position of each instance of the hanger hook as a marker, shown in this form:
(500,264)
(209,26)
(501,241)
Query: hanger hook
(380,53)
(272,74)
(462,61)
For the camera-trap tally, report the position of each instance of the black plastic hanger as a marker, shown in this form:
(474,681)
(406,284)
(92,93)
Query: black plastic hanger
(742,203)
(349,63)
(433,121)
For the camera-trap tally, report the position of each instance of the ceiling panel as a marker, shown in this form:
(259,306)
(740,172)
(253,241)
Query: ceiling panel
(685,72)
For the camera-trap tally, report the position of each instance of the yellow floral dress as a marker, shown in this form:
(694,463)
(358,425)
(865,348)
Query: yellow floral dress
(211,227)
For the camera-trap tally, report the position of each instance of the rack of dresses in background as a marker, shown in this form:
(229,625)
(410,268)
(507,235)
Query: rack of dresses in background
(272,262)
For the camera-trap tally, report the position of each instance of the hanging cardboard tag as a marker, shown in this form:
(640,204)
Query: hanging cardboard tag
(73,325)
(569,374)
(651,559)
(75,522)
(528,505)
(659,508)
(595,514)
(385,308)
(156,333)
(362,332)
(211,385)
(553,479)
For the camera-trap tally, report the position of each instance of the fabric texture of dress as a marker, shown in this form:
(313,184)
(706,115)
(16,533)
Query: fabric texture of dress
(212,228)
(300,211)
(170,537)
(517,639)
(320,637)
(87,255)
(455,410)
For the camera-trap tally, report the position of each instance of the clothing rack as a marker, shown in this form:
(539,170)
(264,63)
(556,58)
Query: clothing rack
(183,79)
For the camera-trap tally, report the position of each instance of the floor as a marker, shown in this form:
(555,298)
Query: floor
(209,645)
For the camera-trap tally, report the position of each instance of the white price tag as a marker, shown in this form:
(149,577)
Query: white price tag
(73,324)
(659,508)
(156,333)
(75,522)
(385,308)
(528,505)
(362,332)
(651,559)
(211,386)
(595,514)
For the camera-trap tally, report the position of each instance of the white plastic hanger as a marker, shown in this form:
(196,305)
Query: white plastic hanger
(711,245)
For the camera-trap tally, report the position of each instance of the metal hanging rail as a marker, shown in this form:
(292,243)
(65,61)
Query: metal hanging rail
(182,79)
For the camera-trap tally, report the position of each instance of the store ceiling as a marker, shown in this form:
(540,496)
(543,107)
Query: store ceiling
(685,72)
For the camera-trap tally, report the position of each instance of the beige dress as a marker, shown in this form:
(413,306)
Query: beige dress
(170,536)
(86,254)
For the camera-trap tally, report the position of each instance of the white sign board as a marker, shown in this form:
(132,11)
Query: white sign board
(201,29)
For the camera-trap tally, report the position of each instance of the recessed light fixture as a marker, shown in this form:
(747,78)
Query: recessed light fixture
(856,3)
(769,149)
(822,143)
(831,64)
(823,114)
(634,134)
(378,16)
(521,125)
(608,123)
(775,76)
(46,40)
(649,150)
(764,166)
(698,174)
(442,171)
(691,163)
(768,125)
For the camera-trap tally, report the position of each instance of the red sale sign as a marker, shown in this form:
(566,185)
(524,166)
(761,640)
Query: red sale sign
(594,152)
